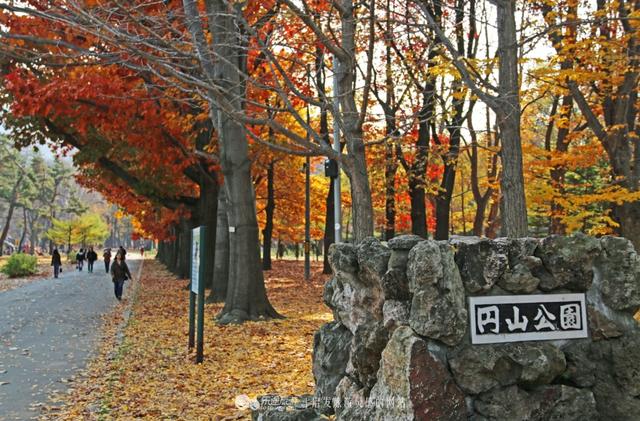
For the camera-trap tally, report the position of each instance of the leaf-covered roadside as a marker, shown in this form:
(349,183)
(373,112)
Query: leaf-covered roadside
(151,375)
(44,270)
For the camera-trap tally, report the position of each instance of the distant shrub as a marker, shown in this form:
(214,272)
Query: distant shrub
(20,264)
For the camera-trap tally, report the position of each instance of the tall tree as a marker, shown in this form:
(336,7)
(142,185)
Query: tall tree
(505,103)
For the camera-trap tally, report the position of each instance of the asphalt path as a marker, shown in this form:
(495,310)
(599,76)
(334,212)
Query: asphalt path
(48,330)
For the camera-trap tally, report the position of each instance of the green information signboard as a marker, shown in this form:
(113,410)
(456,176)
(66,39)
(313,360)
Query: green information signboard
(196,292)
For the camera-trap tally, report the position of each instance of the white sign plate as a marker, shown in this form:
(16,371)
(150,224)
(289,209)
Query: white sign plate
(516,318)
(195,259)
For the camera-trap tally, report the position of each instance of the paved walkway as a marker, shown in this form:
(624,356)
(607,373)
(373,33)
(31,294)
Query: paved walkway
(47,331)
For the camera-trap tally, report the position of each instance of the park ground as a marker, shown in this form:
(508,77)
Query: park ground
(144,371)
(43,271)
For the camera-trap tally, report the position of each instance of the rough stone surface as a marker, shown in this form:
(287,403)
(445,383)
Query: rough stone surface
(601,327)
(351,401)
(481,261)
(398,260)
(611,403)
(330,356)
(581,367)
(354,303)
(366,348)
(626,364)
(492,404)
(373,257)
(519,279)
(481,368)
(395,313)
(425,265)
(405,303)
(416,381)
(619,270)
(342,257)
(395,285)
(557,402)
(438,309)
(567,262)
(404,242)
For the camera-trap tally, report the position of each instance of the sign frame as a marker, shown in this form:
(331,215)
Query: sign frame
(196,292)
(492,338)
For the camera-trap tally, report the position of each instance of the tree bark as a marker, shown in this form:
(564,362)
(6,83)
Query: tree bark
(207,216)
(447,184)
(246,294)
(355,163)
(183,263)
(268,226)
(417,172)
(513,203)
(221,267)
(24,229)
(390,169)
(12,206)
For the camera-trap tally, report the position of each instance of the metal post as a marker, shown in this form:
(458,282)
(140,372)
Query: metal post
(201,282)
(192,318)
(337,205)
(307,201)
(307,221)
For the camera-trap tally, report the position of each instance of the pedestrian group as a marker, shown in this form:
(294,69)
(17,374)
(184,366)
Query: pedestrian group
(118,269)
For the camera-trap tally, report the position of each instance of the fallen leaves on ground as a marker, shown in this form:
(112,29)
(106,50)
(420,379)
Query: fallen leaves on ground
(151,375)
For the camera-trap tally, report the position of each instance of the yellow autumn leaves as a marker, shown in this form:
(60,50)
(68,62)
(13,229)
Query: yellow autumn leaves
(150,375)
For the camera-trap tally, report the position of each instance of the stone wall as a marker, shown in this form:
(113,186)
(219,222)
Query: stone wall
(399,348)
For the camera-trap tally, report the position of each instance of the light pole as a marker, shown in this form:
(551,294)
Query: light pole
(336,145)
(307,202)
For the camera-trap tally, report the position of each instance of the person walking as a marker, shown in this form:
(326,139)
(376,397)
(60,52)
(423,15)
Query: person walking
(80,259)
(119,274)
(142,251)
(122,252)
(56,262)
(92,256)
(107,259)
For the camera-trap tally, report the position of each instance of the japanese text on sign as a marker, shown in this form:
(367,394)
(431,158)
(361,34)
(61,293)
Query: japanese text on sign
(513,318)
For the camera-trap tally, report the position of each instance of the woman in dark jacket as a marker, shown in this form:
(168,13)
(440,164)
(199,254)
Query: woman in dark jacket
(56,262)
(92,256)
(80,259)
(107,259)
(119,274)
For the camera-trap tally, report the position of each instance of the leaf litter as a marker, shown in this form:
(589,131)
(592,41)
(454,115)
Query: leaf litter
(151,375)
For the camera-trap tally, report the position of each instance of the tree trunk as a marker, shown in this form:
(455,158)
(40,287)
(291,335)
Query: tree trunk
(556,226)
(513,203)
(221,266)
(24,229)
(12,205)
(246,294)
(447,184)
(417,172)
(493,220)
(355,162)
(184,250)
(390,169)
(33,233)
(207,216)
(268,226)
